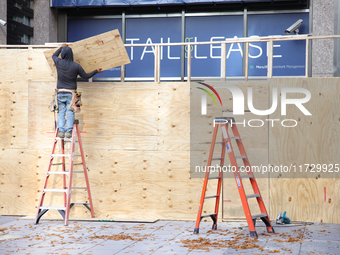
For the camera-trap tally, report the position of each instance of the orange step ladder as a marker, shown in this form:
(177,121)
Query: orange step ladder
(224,123)
(67,189)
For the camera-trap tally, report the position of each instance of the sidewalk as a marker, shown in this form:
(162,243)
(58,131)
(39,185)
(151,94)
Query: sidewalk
(162,237)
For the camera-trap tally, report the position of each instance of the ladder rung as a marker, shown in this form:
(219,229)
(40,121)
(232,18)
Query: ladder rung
(237,157)
(217,177)
(210,143)
(57,164)
(247,176)
(65,139)
(208,215)
(261,215)
(234,137)
(64,155)
(57,172)
(216,158)
(253,195)
(210,197)
(52,208)
(56,190)
(79,203)
(77,172)
(75,164)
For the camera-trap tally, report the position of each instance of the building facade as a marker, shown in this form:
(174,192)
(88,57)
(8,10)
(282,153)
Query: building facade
(38,22)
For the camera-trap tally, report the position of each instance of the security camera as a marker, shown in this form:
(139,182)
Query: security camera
(2,22)
(294,27)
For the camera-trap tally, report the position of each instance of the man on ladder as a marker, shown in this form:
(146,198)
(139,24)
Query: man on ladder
(68,72)
(67,100)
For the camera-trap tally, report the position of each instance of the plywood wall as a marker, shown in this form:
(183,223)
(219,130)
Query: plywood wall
(136,139)
(315,140)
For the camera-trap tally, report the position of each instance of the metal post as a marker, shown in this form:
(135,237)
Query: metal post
(183,47)
(223,61)
(122,68)
(157,64)
(270,59)
(245,34)
(189,63)
(246,62)
(307,57)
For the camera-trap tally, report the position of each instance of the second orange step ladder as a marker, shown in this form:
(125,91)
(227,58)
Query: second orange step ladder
(224,123)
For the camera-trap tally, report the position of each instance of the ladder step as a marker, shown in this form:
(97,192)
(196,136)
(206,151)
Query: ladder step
(57,164)
(234,137)
(208,215)
(216,158)
(64,155)
(253,195)
(210,197)
(261,215)
(52,208)
(65,139)
(77,172)
(247,176)
(210,143)
(79,203)
(217,177)
(56,190)
(237,157)
(76,164)
(57,172)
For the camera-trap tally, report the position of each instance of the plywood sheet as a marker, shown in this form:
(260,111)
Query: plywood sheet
(13,114)
(139,164)
(24,65)
(101,51)
(174,117)
(114,116)
(314,140)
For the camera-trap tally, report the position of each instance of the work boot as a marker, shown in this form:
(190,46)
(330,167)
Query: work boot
(61,135)
(69,134)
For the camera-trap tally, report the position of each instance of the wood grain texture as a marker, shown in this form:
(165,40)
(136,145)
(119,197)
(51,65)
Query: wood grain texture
(24,65)
(101,51)
(313,141)
(137,148)
(13,115)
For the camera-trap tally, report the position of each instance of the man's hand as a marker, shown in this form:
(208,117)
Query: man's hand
(64,45)
(100,70)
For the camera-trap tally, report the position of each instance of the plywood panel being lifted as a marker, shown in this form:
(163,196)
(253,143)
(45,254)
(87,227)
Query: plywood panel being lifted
(101,51)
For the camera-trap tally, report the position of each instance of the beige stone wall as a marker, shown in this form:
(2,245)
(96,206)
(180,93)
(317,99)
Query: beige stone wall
(323,50)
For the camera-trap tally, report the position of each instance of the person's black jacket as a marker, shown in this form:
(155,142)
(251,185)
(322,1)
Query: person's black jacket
(68,70)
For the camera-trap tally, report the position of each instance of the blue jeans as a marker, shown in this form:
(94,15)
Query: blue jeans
(64,101)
